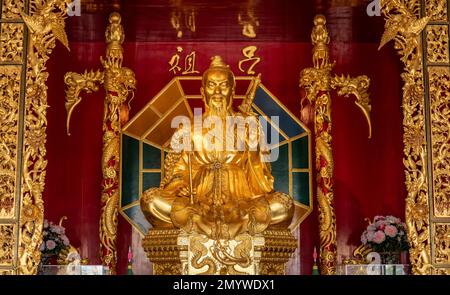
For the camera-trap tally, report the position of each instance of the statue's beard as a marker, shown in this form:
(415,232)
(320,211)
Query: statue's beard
(220,110)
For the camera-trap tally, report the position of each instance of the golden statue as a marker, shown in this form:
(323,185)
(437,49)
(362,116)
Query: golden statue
(213,190)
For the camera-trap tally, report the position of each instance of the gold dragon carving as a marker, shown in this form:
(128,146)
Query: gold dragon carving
(223,253)
(427,191)
(240,256)
(45,24)
(119,82)
(318,81)
(200,251)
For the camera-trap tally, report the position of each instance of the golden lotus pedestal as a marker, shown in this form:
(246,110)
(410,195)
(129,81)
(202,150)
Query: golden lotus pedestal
(175,252)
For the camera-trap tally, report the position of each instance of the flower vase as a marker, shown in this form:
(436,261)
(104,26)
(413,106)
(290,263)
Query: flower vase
(390,257)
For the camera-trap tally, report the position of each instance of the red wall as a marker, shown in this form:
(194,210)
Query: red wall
(368,173)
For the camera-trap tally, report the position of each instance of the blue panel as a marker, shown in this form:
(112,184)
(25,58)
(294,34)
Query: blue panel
(150,179)
(300,153)
(136,215)
(151,157)
(130,170)
(280,170)
(300,187)
(287,124)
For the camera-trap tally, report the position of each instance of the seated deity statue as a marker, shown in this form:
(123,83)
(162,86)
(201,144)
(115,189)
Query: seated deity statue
(210,188)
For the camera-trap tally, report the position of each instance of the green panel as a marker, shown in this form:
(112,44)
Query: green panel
(300,153)
(300,187)
(280,170)
(151,157)
(150,179)
(136,215)
(130,170)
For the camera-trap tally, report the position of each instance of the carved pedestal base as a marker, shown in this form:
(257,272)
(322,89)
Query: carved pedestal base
(175,252)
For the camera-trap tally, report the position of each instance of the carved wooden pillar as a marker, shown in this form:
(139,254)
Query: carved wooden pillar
(318,81)
(119,82)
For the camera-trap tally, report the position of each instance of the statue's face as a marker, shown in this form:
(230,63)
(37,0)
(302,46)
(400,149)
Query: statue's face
(218,89)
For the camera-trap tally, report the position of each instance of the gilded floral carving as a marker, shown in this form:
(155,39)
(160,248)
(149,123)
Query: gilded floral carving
(437,44)
(426,111)
(11,9)
(45,23)
(441,243)
(436,9)
(11,42)
(9,115)
(404,27)
(439,83)
(7,241)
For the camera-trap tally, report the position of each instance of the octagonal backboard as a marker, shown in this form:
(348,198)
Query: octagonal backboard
(146,136)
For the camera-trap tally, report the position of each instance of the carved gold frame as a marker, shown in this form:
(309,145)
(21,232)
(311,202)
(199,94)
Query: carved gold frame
(29,30)
(425,55)
(420,31)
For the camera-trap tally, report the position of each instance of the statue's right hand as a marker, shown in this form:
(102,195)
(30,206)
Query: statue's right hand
(185,192)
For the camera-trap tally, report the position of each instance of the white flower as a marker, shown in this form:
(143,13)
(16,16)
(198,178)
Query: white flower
(392,219)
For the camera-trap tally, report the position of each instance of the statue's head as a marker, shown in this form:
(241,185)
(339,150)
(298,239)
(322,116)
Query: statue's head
(218,86)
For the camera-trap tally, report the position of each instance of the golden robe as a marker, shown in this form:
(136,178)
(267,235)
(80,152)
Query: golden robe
(233,192)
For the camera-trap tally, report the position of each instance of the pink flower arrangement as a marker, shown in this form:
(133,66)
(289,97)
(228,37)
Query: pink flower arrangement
(54,238)
(386,234)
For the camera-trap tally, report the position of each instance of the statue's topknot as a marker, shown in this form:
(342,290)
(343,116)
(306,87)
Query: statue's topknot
(217,62)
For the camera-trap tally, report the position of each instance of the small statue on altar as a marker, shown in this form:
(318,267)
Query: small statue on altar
(214,190)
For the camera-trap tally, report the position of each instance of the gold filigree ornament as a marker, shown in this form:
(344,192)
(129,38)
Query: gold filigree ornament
(318,81)
(119,83)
